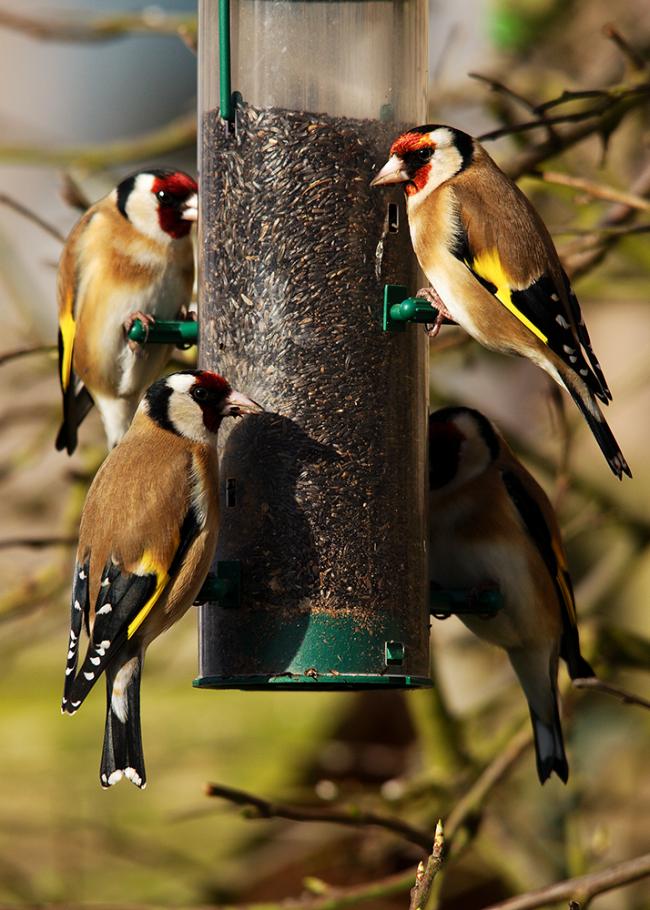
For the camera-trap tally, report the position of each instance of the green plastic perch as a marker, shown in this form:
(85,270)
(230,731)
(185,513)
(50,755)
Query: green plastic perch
(166,331)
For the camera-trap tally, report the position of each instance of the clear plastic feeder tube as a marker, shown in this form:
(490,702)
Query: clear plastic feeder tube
(324,496)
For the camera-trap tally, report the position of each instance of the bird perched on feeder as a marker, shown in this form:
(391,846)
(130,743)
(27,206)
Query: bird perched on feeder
(148,532)
(493,266)
(129,257)
(493,525)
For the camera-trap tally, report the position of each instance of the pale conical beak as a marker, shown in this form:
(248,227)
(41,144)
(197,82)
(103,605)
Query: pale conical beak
(191,208)
(236,403)
(392,172)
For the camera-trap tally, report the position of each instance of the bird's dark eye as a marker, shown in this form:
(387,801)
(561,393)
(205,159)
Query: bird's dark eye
(424,155)
(163,197)
(199,393)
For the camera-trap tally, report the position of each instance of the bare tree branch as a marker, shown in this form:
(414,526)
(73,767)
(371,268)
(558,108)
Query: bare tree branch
(426,874)
(72,193)
(178,133)
(597,190)
(581,889)
(497,86)
(352,816)
(103,28)
(597,685)
(8,356)
(37,543)
(633,57)
(584,256)
(31,216)
(598,122)
(608,108)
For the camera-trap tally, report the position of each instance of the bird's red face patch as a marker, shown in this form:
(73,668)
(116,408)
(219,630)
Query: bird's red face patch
(409,147)
(210,391)
(172,192)
(445,441)
(411,142)
(212,381)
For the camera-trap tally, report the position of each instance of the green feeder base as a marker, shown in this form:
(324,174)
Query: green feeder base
(265,649)
(299,683)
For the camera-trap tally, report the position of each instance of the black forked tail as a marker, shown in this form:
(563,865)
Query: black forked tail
(601,431)
(122,755)
(549,747)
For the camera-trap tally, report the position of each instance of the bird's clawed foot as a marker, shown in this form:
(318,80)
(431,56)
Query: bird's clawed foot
(147,321)
(431,295)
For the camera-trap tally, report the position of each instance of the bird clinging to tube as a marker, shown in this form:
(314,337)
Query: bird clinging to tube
(492,525)
(148,532)
(129,257)
(493,266)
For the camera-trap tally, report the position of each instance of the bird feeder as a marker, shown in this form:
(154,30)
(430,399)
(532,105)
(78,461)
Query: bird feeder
(323,497)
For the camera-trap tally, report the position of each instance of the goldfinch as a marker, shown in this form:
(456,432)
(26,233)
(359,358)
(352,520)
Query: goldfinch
(129,257)
(492,524)
(148,532)
(493,266)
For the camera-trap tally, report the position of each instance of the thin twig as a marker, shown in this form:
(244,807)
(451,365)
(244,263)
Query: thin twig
(585,258)
(568,96)
(633,57)
(103,28)
(532,157)
(426,874)
(72,193)
(581,889)
(31,216)
(595,235)
(352,817)
(8,356)
(597,685)
(504,89)
(37,543)
(597,111)
(597,190)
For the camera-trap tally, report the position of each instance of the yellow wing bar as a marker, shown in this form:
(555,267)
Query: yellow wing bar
(562,570)
(148,566)
(488,266)
(67,330)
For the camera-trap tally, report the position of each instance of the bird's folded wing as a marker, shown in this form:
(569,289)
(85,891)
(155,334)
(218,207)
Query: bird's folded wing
(127,595)
(546,539)
(541,300)
(67,288)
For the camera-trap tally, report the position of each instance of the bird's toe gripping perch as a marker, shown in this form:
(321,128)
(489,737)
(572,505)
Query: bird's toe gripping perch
(400,309)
